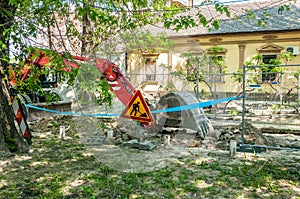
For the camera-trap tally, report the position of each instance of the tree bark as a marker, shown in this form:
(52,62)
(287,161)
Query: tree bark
(86,30)
(10,138)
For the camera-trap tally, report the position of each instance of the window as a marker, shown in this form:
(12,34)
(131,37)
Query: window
(150,66)
(269,52)
(216,67)
(150,69)
(216,63)
(267,74)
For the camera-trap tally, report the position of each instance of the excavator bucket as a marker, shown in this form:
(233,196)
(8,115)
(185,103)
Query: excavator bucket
(194,119)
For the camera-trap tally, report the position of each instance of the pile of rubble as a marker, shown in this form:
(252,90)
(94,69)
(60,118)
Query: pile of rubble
(124,130)
(252,135)
(105,139)
(53,124)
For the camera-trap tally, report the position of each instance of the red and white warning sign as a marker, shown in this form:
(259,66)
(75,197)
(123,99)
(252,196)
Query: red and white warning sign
(21,118)
(137,109)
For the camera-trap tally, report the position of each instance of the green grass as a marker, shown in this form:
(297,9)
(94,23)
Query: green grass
(56,169)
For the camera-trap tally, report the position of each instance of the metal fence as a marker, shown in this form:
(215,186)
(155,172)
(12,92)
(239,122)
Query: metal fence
(271,101)
(267,93)
(169,83)
(272,93)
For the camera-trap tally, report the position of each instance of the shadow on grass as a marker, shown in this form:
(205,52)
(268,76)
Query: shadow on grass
(55,169)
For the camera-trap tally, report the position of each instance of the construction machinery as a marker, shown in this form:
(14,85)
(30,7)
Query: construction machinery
(123,89)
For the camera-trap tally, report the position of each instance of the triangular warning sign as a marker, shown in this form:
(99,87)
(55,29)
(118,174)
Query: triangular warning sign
(137,109)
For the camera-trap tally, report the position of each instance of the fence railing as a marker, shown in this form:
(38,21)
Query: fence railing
(278,94)
(270,99)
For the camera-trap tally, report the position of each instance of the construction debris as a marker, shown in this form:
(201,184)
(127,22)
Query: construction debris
(93,131)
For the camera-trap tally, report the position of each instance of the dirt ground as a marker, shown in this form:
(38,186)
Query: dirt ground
(88,164)
(111,152)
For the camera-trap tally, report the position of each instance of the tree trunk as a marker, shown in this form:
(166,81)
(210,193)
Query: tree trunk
(86,29)
(10,138)
(87,32)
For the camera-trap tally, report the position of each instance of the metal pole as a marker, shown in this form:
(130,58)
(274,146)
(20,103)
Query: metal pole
(197,82)
(139,136)
(280,93)
(197,85)
(243,97)
(215,93)
(299,87)
(138,127)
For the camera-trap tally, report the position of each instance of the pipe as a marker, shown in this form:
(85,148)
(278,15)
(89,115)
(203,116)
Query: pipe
(270,147)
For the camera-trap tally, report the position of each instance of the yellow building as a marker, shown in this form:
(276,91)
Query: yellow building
(272,32)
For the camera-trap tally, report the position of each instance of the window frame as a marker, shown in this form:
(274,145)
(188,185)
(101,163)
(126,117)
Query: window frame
(267,75)
(216,74)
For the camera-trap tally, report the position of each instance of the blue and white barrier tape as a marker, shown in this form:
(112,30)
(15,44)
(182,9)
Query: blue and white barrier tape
(167,110)
(72,113)
(196,105)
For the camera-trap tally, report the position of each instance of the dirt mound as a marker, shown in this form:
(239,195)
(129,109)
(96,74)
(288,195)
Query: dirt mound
(124,130)
(110,151)
(252,135)
(53,124)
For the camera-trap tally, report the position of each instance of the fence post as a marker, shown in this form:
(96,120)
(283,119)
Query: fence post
(298,87)
(232,148)
(281,93)
(243,97)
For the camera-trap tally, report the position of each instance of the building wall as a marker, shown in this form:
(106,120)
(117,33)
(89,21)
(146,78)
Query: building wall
(231,43)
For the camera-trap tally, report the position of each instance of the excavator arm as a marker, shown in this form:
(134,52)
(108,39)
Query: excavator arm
(119,84)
